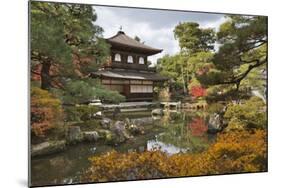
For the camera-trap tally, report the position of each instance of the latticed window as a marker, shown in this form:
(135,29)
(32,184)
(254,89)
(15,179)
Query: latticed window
(117,57)
(141,89)
(130,59)
(141,60)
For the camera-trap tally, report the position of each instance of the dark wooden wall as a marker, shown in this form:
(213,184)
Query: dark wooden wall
(123,64)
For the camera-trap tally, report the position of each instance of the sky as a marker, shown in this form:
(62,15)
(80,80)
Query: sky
(154,27)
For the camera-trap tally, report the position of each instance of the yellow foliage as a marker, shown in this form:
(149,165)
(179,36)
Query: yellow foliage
(234,152)
(164,94)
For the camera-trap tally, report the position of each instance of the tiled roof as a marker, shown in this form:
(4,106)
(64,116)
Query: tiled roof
(122,39)
(125,74)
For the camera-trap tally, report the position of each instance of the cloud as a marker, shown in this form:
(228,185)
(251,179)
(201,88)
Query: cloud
(154,27)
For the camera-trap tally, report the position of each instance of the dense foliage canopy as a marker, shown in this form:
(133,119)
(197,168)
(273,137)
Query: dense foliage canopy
(236,68)
(66,46)
(242,55)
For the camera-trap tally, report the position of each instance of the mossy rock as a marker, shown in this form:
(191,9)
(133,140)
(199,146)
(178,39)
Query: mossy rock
(48,147)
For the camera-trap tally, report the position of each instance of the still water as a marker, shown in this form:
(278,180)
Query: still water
(175,132)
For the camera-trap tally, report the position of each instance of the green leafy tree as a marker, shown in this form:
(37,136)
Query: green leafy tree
(182,68)
(194,39)
(66,46)
(242,55)
(84,90)
(196,45)
(61,33)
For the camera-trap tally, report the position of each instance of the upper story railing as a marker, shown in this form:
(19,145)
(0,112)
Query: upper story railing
(129,66)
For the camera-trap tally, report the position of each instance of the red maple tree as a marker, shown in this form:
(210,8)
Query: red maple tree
(198,91)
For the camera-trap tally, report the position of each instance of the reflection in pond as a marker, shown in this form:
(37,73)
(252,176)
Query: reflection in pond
(184,133)
(167,148)
(174,132)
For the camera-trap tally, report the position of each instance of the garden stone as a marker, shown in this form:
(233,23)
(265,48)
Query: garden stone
(98,115)
(74,134)
(127,122)
(106,123)
(120,131)
(48,147)
(91,135)
(215,123)
(158,112)
(136,129)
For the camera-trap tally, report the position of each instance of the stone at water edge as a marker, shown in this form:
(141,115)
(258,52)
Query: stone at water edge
(106,123)
(48,147)
(119,129)
(74,134)
(136,129)
(214,123)
(91,135)
(158,112)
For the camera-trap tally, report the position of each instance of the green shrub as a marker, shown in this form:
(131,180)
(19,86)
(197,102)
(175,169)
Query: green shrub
(250,114)
(79,113)
(109,96)
(83,91)
(215,107)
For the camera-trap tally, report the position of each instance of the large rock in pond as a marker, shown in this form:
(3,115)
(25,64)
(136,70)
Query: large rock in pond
(48,147)
(91,135)
(215,123)
(74,134)
(157,112)
(106,123)
(118,128)
(136,129)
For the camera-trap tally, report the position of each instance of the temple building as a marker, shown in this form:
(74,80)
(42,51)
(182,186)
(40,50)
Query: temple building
(128,71)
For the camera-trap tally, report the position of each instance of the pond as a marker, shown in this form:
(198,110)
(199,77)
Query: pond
(175,132)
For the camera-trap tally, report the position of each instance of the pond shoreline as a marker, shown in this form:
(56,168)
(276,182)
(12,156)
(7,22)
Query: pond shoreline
(110,132)
(170,133)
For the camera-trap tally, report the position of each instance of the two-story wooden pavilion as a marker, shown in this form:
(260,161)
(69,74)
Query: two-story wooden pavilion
(127,71)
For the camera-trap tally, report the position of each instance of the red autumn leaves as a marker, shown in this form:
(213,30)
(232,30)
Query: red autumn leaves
(198,91)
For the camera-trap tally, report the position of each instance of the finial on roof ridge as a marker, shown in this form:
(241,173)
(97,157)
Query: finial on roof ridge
(120,30)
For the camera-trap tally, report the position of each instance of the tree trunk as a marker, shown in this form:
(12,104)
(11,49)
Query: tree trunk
(183,80)
(45,75)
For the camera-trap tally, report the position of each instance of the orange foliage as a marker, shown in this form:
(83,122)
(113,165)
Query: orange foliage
(46,111)
(234,152)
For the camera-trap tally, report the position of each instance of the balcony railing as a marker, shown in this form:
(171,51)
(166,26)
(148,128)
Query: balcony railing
(131,66)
